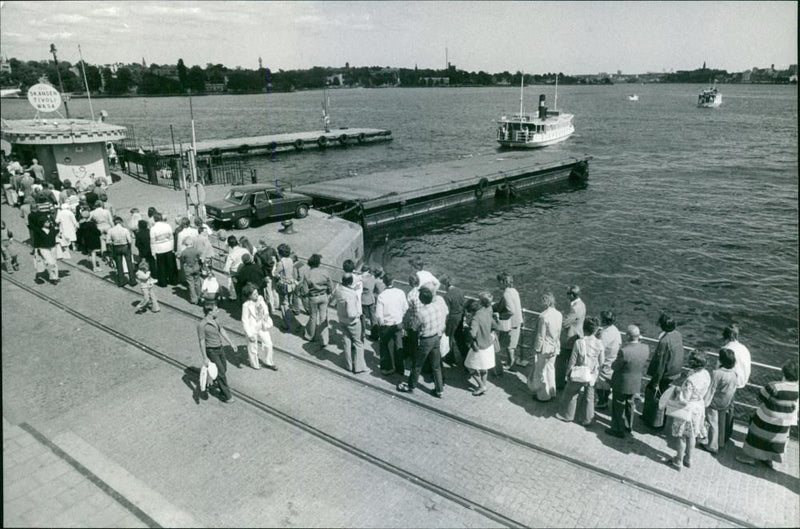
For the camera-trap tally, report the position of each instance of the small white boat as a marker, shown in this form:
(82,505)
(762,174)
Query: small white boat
(633,97)
(9,92)
(710,98)
(534,130)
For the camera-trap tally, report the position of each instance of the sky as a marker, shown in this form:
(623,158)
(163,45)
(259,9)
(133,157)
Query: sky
(536,37)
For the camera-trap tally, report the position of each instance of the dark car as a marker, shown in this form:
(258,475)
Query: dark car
(244,205)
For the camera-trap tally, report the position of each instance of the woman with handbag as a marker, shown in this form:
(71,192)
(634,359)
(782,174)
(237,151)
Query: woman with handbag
(257,322)
(583,367)
(686,410)
(509,311)
(480,358)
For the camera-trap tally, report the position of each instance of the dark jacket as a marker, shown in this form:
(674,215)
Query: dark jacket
(250,273)
(41,239)
(668,359)
(629,368)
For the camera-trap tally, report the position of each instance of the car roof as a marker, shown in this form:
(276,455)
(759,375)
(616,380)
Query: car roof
(251,188)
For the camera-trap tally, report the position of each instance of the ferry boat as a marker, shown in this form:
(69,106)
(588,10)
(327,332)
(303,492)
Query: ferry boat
(710,98)
(633,97)
(534,130)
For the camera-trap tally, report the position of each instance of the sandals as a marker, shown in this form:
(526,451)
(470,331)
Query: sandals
(404,388)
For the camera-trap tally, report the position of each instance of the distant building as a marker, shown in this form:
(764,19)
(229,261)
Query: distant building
(218,86)
(434,81)
(336,79)
(5,66)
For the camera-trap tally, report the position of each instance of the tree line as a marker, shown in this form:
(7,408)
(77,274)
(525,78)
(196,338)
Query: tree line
(179,79)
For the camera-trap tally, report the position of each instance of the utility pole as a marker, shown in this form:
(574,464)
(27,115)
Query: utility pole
(60,84)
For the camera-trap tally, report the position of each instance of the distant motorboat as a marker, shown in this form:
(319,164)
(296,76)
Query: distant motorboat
(534,130)
(709,98)
(633,97)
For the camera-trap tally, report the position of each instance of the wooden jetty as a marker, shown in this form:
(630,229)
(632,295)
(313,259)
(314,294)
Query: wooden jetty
(291,141)
(389,196)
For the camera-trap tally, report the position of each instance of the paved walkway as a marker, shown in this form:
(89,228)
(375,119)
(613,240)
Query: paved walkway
(44,487)
(754,495)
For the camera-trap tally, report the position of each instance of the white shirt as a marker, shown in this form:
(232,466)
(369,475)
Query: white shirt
(743,361)
(234,259)
(210,285)
(573,322)
(161,238)
(391,306)
(426,277)
(548,332)
(184,234)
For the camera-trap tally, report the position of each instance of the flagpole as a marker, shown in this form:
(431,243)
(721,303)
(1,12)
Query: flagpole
(86,81)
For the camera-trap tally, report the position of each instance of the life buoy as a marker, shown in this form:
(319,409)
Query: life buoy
(243,149)
(216,152)
(298,144)
(580,172)
(362,137)
(273,146)
(342,139)
(322,141)
(482,183)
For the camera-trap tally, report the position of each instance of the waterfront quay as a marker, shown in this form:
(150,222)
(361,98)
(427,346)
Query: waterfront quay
(288,141)
(399,194)
(104,426)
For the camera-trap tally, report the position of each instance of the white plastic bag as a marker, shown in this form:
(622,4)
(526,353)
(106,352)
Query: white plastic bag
(444,345)
(203,378)
(212,371)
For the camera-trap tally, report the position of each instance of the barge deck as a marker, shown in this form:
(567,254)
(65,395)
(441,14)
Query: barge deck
(396,195)
(290,141)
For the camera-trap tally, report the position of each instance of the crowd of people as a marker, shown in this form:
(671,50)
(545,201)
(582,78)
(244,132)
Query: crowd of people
(578,359)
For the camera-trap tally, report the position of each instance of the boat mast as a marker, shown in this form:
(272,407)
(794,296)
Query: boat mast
(521,92)
(555,102)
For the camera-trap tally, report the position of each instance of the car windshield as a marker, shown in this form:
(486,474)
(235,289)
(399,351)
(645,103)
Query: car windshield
(235,196)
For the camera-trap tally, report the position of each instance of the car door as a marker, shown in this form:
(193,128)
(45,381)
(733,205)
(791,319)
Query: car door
(262,205)
(279,207)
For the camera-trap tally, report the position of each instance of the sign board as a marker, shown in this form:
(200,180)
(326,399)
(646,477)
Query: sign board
(44,97)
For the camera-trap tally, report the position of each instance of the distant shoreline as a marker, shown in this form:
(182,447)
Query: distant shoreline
(130,96)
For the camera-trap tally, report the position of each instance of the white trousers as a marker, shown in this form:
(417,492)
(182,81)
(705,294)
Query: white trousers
(265,341)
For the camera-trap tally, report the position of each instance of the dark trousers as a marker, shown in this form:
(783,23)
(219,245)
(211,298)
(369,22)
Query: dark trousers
(410,343)
(166,269)
(217,355)
(602,396)
(622,412)
(391,348)
(651,397)
(562,360)
(427,346)
(123,251)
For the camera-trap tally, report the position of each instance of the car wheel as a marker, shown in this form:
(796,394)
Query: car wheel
(243,223)
(302,211)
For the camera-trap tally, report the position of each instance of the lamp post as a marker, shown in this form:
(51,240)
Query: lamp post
(58,72)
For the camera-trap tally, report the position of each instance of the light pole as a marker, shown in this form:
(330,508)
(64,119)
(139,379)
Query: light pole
(58,72)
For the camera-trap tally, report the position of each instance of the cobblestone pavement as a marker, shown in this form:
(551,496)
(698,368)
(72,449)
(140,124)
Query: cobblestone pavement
(527,485)
(41,489)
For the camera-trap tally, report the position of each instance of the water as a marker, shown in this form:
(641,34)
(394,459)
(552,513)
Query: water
(689,210)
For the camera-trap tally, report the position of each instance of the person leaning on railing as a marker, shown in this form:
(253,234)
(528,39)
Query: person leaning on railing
(665,367)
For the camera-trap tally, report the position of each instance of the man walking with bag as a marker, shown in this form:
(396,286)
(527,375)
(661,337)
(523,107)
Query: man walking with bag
(210,334)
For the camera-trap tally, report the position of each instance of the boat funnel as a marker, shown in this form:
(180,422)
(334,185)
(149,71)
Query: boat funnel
(542,107)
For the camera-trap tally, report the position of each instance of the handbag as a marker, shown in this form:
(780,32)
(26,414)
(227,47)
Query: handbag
(580,374)
(444,345)
(203,378)
(672,406)
(504,325)
(651,413)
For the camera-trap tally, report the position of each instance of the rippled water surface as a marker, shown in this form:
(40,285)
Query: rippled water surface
(690,210)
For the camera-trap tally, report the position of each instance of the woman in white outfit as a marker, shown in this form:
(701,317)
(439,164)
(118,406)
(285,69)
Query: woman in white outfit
(257,322)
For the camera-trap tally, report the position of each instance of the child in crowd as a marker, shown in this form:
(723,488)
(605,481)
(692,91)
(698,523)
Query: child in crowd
(9,254)
(146,283)
(210,288)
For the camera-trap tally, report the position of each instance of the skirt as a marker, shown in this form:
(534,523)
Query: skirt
(481,360)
